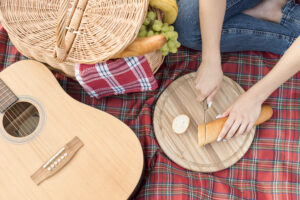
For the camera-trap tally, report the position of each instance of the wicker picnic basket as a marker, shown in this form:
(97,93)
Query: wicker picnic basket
(63,32)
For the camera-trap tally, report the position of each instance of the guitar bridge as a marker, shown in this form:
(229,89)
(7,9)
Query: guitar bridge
(57,161)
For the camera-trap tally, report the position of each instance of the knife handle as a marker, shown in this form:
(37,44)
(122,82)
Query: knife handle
(214,128)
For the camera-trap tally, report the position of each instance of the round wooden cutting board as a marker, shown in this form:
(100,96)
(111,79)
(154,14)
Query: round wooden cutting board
(180,98)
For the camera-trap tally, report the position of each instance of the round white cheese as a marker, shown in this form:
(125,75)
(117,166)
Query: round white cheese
(180,124)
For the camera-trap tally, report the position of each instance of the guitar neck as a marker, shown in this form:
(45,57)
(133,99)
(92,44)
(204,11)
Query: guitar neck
(7,97)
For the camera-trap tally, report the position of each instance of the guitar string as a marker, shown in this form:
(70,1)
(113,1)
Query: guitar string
(35,146)
(34,143)
(4,92)
(6,101)
(14,125)
(3,106)
(11,95)
(15,116)
(3,87)
(4,98)
(7,94)
(22,119)
(7,89)
(22,112)
(18,117)
(28,117)
(18,128)
(11,121)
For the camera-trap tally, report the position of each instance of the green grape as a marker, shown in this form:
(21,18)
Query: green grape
(156,27)
(165,28)
(174,35)
(173,50)
(150,33)
(171,35)
(164,34)
(151,15)
(171,28)
(171,44)
(147,22)
(168,35)
(164,53)
(165,48)
(177,44)
(158,22)
(156,33)
(143,28)
(142,33)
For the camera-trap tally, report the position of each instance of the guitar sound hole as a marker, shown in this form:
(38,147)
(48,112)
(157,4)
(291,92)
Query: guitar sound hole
(21,119)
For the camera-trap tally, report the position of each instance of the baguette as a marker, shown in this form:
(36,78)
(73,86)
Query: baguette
(180,124)
(142,46)
(214,128)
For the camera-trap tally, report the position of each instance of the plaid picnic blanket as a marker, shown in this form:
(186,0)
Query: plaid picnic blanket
(269,170)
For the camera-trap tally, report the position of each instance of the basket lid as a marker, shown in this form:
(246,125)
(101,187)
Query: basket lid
(78,31)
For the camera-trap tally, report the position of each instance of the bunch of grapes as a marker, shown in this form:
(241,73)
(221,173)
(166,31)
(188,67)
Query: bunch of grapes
(153,26)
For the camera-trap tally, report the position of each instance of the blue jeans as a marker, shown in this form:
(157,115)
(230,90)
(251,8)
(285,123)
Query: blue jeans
(241,32)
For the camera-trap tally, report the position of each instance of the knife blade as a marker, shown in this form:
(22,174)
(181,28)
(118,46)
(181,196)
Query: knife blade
(205,107)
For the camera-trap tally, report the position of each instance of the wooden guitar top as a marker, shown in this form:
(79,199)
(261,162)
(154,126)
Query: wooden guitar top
(103,158)
(180,98)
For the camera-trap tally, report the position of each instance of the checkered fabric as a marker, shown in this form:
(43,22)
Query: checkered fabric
(114,77)
(269,170)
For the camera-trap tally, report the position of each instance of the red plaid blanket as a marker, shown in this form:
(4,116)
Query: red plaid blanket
(114,77)
(269,170)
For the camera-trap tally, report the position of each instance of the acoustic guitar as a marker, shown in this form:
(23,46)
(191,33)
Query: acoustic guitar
(53,147)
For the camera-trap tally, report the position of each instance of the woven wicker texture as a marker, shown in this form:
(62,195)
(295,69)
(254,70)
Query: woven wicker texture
(79,31)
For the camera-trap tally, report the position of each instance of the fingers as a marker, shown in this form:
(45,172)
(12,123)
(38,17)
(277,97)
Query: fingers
(242,128)
(224,114)
(235,126)
(202,95)
(211,97)
(227,124)
(200,98)
(233,129)
(249,127)
(230,121)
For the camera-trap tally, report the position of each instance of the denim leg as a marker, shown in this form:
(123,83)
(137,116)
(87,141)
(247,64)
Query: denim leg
(234,7)
(241,32)
(291,17)
(245,33)
(188,25)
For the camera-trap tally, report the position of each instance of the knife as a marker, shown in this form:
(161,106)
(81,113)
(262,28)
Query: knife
(205,107)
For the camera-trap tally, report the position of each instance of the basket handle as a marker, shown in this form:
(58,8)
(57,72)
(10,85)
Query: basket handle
(60,48)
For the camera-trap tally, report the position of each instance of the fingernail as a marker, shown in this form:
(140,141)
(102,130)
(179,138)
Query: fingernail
(219,139)
(209,104)
(218,116)
(224,140)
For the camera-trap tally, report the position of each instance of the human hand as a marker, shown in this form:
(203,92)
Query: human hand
(243,114)
(208,80)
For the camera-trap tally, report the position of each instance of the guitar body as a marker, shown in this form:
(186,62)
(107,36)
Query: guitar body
(107,165)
